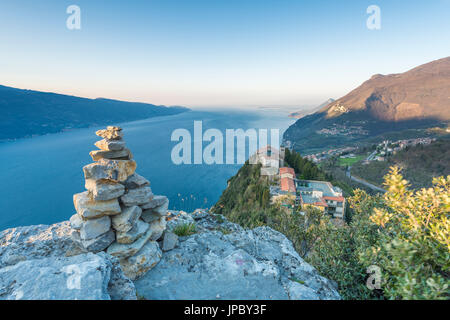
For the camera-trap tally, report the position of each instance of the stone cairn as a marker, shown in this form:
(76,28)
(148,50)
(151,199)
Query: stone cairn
(118,212)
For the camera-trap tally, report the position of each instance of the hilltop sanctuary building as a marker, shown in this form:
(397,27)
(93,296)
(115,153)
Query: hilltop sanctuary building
(321,195)
(310,193)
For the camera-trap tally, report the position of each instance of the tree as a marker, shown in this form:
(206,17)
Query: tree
(404,233)
(413,246)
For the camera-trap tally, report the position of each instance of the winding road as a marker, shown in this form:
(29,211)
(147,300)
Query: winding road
(367,184)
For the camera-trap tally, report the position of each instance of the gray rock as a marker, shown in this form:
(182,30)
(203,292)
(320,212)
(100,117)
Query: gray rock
(76,221)
(97,244)
(104,189)
(243,264)
(299,291)
(136,181)
(200,214)
(137,196)
(127,219)
(157,201)
(162,209)
(33,242)
(38,262)
(170,241)
(110,145)
(94,228)
(175,218)
(149,216)
(124,154)
(110,133)
(82,277)
(119,287)
(144,260)
(122,251)
(114,170)
(204,222)
(90,209)
(134,233)
(207,267)
(157,228)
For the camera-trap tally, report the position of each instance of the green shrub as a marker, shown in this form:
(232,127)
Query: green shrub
(413,243)
(185,229)
(219,218)
(404,233)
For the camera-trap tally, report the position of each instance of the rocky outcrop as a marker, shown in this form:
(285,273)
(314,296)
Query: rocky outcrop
(36,242)
(43,262)
(110,213)
(220,261)
(224,261)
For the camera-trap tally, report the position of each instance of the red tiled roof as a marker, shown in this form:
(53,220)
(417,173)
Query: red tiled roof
(321,204)
(287,184)
(340,199)
(287,170)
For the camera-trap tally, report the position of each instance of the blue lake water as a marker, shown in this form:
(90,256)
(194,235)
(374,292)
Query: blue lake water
(40,175)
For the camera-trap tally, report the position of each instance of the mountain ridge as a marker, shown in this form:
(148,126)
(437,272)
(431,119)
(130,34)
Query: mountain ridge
(420,92)
(417,99)
(26,113)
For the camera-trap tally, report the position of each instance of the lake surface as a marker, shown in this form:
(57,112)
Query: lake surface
(40,175)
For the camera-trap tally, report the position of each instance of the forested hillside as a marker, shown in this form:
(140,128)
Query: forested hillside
(246,200)
(419,164)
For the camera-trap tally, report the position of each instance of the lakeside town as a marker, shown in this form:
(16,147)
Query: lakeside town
(342,130)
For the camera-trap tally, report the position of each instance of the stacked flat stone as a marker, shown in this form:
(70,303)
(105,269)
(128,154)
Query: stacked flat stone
(118,212)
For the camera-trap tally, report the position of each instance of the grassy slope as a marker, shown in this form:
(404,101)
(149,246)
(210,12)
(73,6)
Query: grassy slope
(350,161)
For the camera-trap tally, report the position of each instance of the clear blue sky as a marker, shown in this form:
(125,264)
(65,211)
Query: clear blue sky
(215,52)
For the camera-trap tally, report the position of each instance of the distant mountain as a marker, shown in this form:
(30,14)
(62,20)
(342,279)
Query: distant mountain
(26,112)
(300,114)
(421,93)
(416,99)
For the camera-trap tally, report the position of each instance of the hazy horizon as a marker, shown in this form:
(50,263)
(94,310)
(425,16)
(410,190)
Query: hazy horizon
(215,54)
(199,108)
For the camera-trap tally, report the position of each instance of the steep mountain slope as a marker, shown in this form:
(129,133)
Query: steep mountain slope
(415,99)
(421,93)
(26,113)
